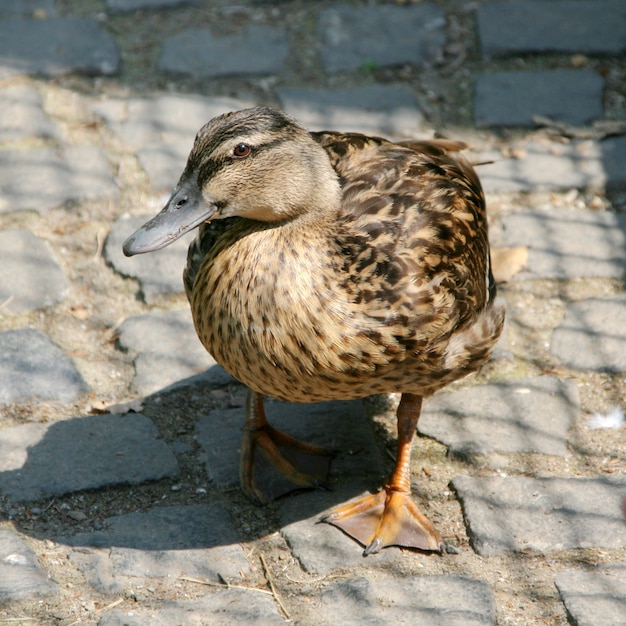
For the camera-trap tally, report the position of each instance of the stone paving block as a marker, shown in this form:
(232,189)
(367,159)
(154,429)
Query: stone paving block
(30,277)
(28,8)
(197,540)
(33,368)
(201,53)
(512,514)
(561,26)
(513,98)
(594,598)
(548,166)
(322,548)
(232,606)
(42,460)
(339,425)
(530,415)
(45,178)
(161,129)
(160,273)
(568,244)
(56,46)
(168,350)
(156,372)
(164,163)
(21,576)
(387,110)
(592,336)
(165,118)
(386,35)
(613,152)
(23,115)
(447,600)
(139,5)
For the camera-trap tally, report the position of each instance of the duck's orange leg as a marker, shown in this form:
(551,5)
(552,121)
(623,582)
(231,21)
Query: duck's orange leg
(283,465)
(390,517)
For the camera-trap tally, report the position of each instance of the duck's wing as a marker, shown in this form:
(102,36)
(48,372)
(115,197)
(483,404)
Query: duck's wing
(417,217)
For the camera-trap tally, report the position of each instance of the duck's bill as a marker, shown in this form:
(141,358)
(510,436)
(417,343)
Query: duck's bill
(180,215)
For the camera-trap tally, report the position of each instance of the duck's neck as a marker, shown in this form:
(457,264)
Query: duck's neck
(315,194)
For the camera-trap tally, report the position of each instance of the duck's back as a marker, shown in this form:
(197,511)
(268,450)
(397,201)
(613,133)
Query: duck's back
(420,211)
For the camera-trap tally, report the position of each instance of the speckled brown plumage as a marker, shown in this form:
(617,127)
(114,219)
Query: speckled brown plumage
(390,294)
(333,266)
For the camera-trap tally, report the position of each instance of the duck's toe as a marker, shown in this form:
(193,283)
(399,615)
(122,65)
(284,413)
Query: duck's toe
(274,464)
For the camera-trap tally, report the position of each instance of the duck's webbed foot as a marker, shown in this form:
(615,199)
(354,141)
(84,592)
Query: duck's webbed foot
(274,464)
(387,518)
(390,517)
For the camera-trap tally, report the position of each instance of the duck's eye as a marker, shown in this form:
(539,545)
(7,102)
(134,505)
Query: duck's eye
(241,150)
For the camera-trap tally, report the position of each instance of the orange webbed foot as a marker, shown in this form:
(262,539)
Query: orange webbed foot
(390,517)
(387,518)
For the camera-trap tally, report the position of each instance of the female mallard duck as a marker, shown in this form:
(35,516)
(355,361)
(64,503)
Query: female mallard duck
(333,266)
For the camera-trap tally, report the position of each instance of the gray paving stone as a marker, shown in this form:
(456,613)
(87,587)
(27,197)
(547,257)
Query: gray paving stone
(588,27)
(28,8)
(512,514)
(568,244)
(161,129)
(613,152)
(339,425)
(201,53)
(232,606)
(530,415)
(138,5)
(56,46)
(594,598)
(30,277)
(512,98)
(42,460)
(550,166)
(21,576)
(387,110)
(322,548)
(45,178)
(161,118)
(191,527)
(157,372)
(160,273)
(167,350)
(386,35)
(198,540)
(33,368)
(449,600)
(592,336)
(23,115)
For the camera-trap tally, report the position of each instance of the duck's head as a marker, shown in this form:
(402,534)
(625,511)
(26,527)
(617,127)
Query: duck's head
(257,163)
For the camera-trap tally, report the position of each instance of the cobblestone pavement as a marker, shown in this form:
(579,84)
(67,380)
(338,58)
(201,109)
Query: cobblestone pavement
(119,435)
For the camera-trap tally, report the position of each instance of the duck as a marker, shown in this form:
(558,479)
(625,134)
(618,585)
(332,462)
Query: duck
(333,265)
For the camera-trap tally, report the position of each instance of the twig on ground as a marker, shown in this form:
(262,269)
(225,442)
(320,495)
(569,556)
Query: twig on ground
(270,581)
(212,583)
(111,605)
